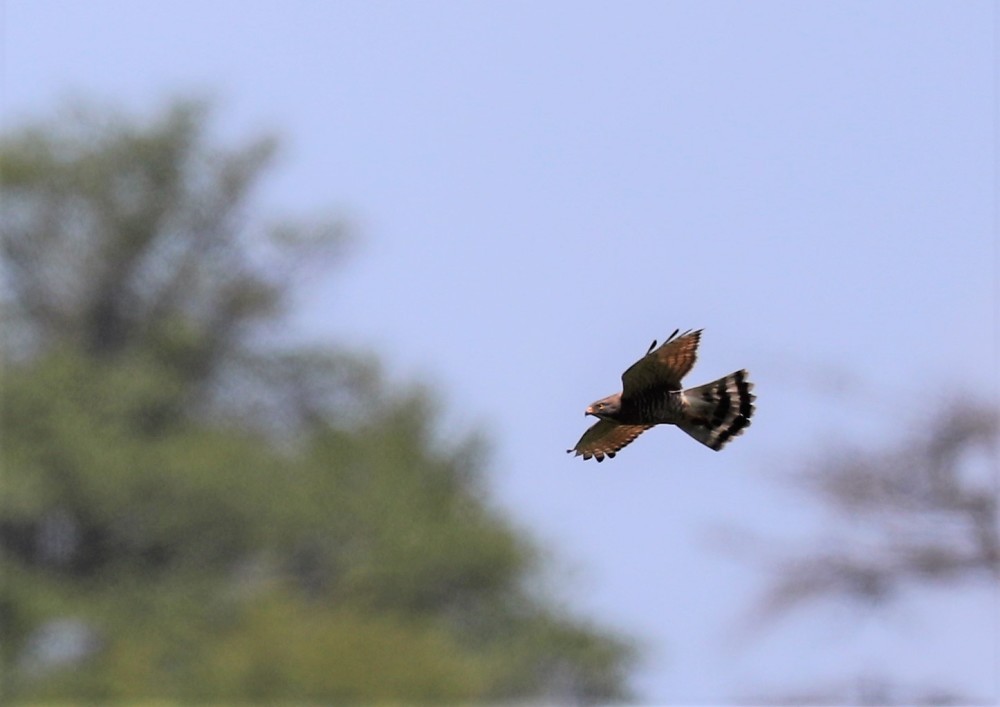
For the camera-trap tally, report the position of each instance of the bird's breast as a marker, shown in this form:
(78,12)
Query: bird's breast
(655,407)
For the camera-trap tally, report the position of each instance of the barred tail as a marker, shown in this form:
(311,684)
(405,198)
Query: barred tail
(719,411)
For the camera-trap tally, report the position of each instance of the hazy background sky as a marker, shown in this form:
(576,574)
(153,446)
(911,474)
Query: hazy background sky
(541,188)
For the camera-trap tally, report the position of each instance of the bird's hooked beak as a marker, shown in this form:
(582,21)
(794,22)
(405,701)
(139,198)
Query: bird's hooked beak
(589,410)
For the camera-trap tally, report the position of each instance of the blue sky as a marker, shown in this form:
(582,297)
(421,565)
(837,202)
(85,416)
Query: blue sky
(539,189)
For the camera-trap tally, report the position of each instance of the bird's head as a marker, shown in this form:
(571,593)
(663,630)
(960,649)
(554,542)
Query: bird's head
(606,408)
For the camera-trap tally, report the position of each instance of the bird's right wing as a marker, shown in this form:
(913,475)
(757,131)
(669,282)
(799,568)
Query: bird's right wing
(664,367)
(605,439)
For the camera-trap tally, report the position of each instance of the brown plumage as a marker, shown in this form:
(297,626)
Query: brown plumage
(651,395)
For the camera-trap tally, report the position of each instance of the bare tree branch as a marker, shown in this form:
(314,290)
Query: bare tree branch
(921,513)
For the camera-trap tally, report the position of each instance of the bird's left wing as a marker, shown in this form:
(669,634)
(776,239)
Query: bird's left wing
(665,366)
(605,439)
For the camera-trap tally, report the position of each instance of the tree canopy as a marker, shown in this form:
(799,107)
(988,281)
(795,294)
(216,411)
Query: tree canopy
(192,511)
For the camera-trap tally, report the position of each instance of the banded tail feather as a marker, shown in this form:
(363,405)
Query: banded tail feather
(720,410)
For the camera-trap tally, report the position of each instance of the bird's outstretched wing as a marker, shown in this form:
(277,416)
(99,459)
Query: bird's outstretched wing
(605,438)
(664,367)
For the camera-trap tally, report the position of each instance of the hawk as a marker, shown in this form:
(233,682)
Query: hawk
(651,395)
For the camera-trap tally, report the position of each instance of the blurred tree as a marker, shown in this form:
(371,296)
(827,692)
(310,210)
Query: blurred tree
(921,514)
(189,515)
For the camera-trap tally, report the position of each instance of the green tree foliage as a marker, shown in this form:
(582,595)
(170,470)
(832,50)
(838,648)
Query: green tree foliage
(187,514)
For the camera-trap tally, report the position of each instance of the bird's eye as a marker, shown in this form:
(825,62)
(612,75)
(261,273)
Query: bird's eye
(600,406)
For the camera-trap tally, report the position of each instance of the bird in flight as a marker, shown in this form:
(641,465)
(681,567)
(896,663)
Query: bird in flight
(651,395)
